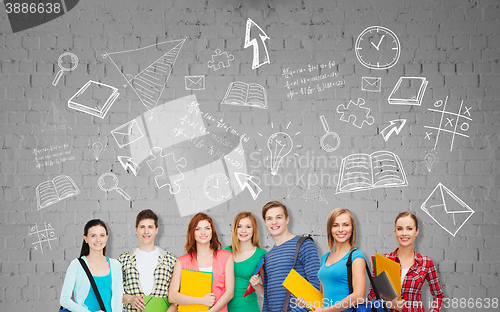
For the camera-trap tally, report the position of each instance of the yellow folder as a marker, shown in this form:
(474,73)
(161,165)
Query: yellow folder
(392,268)
(195,284)
(300,287)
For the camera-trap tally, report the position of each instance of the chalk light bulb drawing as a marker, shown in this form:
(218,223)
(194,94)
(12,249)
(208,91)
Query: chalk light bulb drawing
(430,159)
(279,144)
(97,147)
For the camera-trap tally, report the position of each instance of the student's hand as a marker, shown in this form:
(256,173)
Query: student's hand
(397,303)
(255,280)
(208,299)
(301,302)
(138,303)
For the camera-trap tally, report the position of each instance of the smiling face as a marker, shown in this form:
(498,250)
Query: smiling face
(276,222)
(342,228)
(406,231)
(203,232)
(96,238)
(245,230)
(146,231)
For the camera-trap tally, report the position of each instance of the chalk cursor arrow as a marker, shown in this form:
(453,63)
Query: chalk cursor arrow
(395,126)
(245,181)
(127,163)
(254,41)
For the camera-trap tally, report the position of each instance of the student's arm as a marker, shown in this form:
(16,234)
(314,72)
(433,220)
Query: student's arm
(308,255)
(435,288)
(174,295)
(228,284)
(68,286)
(117,285)
(136,301)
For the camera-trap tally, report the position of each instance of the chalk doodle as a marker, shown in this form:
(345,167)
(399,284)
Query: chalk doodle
(127,133)
(156,62)
(194,82)
(94,98)
(257,40)
(245,181)
(430,159)
(128,164)
(462,117)
(310,190)
(109,182)
(220,59)
(246,94)
(371,84)
(408,91)
(279,144)
(297,82)
(159,162)
(330,141)
(98,145)
(395,126)
(52,155)
(55,120)
(73,62)
(356,113)
(217,187)
(55,190)
(377,47)
(45,235)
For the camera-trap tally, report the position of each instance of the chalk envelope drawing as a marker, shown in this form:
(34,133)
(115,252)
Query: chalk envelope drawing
(44,236)
(356,113)
(94,98)
(165,177)
(408,91)
(55,190)
(127,134)
(359,172)
(246,94)
(446,209)
(220,59)
(195,82)
(155,64)
(258,42)
(55,120)
(371,84)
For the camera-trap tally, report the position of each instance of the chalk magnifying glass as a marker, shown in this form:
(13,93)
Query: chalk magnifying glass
(64,65)
(330,140)
(109,182)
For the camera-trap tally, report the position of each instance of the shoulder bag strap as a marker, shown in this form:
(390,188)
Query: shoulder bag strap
(92,282)
(299,243)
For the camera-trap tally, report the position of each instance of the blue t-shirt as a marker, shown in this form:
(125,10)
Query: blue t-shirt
(334,278)
(103,284)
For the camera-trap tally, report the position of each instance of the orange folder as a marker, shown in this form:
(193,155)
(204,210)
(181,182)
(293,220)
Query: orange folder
(195,284)
(300,287)
(392,268)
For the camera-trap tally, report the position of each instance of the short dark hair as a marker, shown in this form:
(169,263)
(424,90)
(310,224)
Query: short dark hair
(273,204)
(146,214)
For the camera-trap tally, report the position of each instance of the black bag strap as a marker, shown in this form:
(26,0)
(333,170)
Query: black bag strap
(368,272)
(92,282)
(299,243)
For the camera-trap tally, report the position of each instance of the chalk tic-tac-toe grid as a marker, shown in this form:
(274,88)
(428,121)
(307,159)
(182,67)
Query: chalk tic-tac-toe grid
(44,236)
(449,123)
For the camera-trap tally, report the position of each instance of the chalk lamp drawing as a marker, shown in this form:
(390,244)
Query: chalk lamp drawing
(94,98)
(371,84)
(451,124)
(430,159)
(217,187)
(330,141)
(165,163)
(279,144)
(220,59)
(258,42)
(109,182)
(245,181)
(359,172)
(377,48)
(395,126)
(356,113)
(128,164)
(157,60)
(55,120)
(45,235)
(196,82)
(446,209)
(55,190)
(246,94)
(127,133)
(408,91)
(60,61)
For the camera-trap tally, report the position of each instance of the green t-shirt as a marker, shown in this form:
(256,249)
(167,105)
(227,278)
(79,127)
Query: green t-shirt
(243,271)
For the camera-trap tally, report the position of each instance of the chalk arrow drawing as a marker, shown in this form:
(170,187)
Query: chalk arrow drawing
(245,181)
(395,126)
(258,43)
(127,163)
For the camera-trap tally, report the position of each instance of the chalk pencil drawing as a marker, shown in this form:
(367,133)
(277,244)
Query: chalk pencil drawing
(109,182)
(371,84)
(220,59)
(55,190)
(359,172)
(256,37)
(395,126)
(217,187)
(196,82)
(128,164)
(430,159)
(279,144)
(94,98)
(245,181)
(155,64)
(45,235)
(308,190)
(74,64)
(356,114)
(462,117)
(164,162)
(377,48)
(408,91)
(246,94)
(446,209)
(55,120)
(330,141)
(127,133)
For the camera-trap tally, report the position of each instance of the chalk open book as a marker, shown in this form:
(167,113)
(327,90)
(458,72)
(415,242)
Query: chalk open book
(55,190)
(246,94)
(360,172)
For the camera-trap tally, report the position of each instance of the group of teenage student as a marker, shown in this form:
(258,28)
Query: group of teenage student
(151,271)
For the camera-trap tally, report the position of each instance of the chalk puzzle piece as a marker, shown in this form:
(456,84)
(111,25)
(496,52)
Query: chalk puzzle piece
(220,59)
(356,113)
(164,163)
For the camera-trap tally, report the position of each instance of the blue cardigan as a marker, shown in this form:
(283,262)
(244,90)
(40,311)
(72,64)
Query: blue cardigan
(77,282)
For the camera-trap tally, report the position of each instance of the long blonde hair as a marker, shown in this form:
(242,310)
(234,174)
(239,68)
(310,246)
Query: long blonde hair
(235,243)
(329,224)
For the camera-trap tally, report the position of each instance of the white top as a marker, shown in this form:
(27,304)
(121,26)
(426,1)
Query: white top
(403,274)
(208,270)
(146,265)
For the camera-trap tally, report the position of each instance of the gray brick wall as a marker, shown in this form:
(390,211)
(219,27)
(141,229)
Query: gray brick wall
(455,45)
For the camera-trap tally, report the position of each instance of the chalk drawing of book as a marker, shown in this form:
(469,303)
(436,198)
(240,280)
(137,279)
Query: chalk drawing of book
(360,172)
(55,190)
(94,98)
(246,94)
(408,91)
(147,69)
(55,120)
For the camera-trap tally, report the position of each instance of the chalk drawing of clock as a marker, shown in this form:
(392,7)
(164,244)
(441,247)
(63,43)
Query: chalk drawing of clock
(377,47)
(217,187)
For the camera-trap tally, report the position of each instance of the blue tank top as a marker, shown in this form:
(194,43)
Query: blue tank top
(104,285)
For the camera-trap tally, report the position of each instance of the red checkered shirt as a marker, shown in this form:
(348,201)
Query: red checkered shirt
(411,290)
